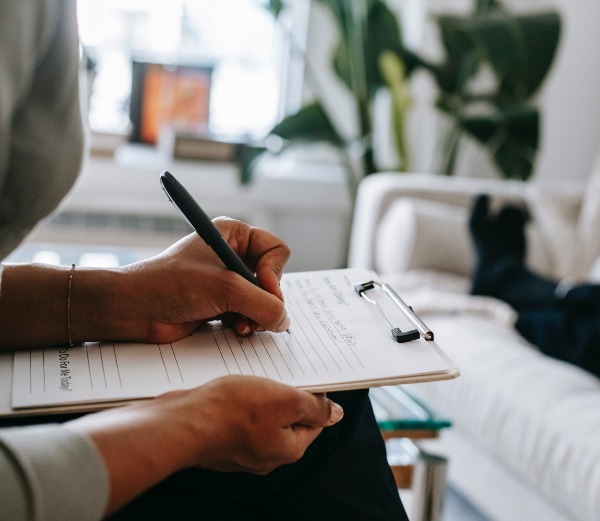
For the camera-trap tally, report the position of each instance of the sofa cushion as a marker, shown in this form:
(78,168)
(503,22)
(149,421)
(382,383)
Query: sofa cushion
(431,235)
(538,416)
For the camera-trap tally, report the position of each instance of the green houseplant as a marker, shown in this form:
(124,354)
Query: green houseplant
(519,50)
(370,55)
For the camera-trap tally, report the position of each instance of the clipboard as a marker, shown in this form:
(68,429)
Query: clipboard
(339,341)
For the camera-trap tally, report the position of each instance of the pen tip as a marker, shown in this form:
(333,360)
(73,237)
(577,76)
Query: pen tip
(288,332)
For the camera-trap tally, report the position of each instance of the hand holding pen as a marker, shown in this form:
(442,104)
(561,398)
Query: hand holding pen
(206,229)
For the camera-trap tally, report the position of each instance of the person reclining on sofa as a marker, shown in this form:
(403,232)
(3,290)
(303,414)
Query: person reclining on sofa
(561,319)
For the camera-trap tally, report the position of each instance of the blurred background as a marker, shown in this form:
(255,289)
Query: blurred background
(209,90)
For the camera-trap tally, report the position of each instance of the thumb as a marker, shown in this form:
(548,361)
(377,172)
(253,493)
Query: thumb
(319,411)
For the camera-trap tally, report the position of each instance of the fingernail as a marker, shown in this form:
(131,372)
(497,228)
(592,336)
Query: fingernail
(244,329)
(284,325)
(337,413)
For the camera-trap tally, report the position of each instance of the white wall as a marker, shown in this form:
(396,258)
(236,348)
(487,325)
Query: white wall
(571,99)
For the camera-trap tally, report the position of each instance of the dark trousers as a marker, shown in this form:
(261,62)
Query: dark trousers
(567,329)
(344,475)
(564,327)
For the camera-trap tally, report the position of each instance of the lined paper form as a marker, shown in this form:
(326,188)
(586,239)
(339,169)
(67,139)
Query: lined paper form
(337,341)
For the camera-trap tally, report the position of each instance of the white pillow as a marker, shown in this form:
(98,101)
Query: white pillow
(589,222)
(594,273)
(421,234)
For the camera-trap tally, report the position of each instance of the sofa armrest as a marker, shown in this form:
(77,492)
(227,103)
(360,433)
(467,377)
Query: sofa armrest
(380,193)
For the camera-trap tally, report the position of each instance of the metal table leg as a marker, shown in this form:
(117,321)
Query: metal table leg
(428,487)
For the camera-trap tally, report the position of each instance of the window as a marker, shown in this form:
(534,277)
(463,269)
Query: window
(239,40)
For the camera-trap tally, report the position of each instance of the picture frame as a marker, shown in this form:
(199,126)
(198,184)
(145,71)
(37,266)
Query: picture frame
(166,94)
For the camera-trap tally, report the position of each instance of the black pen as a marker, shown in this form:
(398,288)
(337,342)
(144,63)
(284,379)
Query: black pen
(205,228)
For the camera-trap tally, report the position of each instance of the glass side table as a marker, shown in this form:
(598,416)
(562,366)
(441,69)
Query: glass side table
(403,420)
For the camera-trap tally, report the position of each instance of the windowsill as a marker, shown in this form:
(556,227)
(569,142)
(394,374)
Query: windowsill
(305,203)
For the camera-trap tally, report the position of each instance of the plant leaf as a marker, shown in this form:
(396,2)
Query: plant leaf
(274,7)
(309,124)
(462,56)
(520,49)
(247,155)
(483,128)
(485,6)
(512,134)
(394,72)
(514,160)
(341,57)
(541,33)
(383,35)
(524,124)
(381,32)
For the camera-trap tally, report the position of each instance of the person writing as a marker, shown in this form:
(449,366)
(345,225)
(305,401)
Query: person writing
(235,448)
(255,425)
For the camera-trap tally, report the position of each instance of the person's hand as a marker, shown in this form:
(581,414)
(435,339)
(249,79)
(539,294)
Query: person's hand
(166,297)
(255,425)
(233,423)
(161,299)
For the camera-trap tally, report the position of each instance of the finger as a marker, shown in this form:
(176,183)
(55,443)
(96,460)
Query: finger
(318,411)
(269,280)
(263,252)
(268,249)
(302,437)
(270,266)
(259,306)
(244,326)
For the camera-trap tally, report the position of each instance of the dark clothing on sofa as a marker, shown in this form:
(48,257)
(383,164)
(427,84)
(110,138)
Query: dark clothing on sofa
(564,325)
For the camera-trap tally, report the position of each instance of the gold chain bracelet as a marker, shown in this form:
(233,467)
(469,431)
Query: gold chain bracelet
(70,284)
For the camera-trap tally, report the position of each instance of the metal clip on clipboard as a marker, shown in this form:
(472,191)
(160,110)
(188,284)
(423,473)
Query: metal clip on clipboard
(397,334)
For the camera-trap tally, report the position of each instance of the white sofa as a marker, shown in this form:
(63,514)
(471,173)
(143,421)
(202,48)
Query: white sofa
(525,441)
